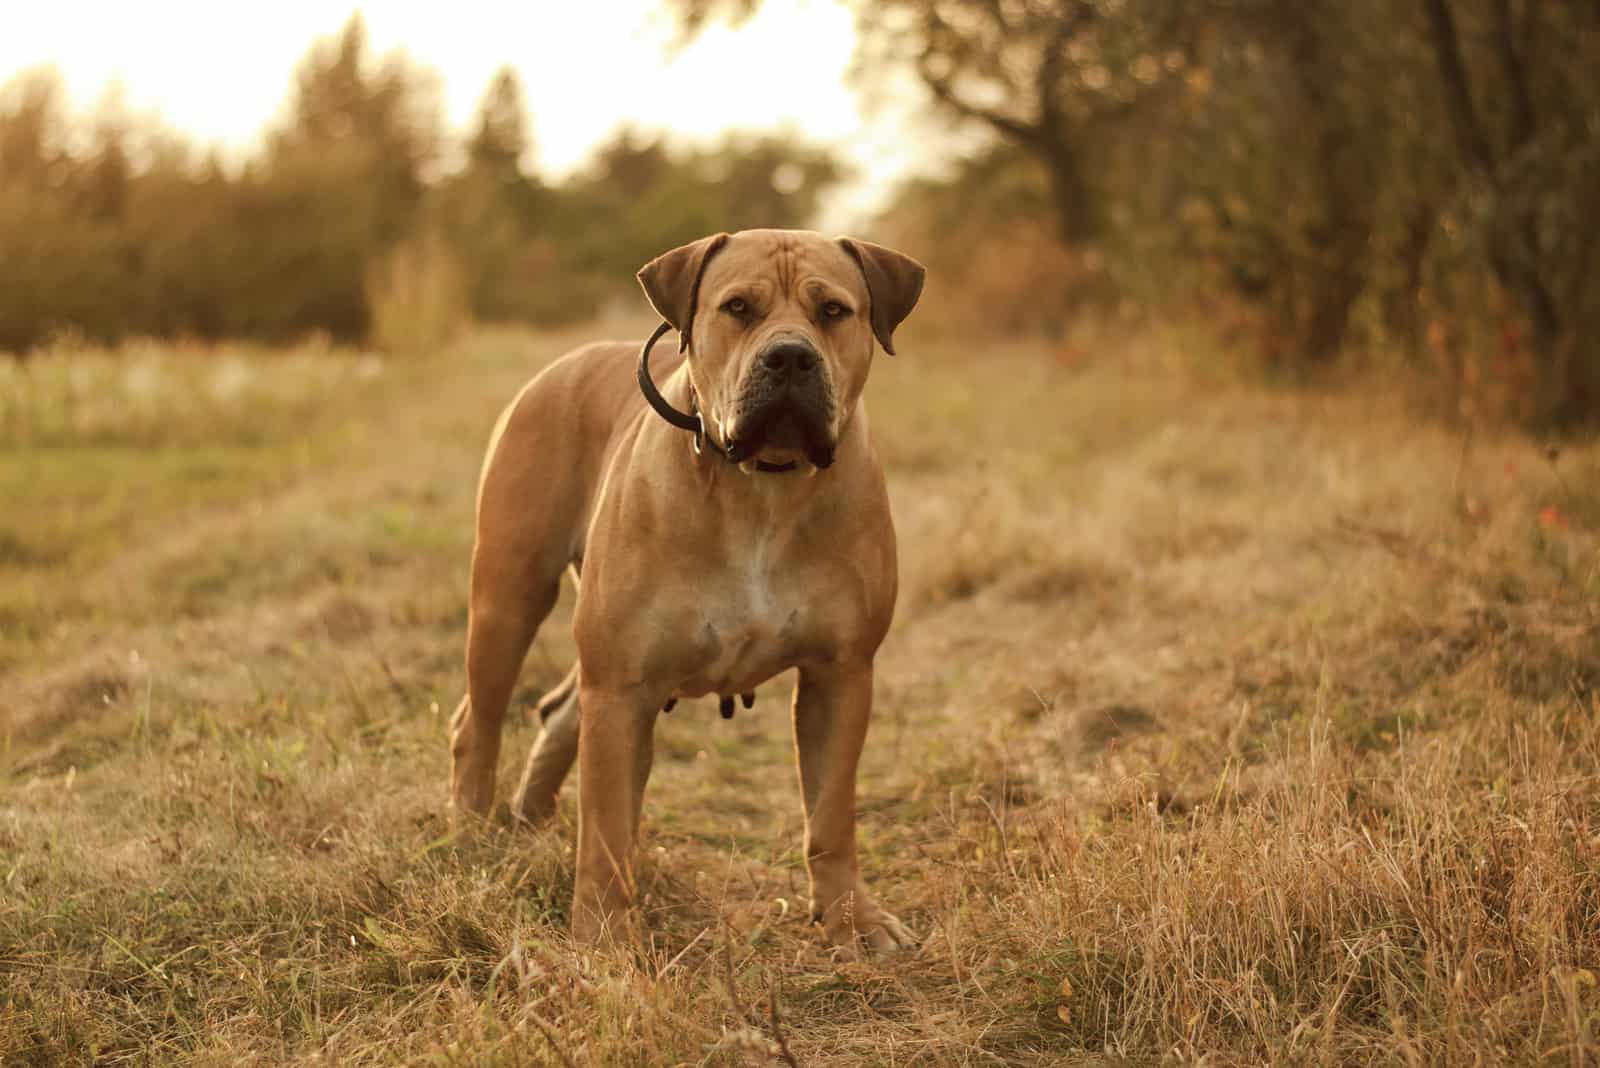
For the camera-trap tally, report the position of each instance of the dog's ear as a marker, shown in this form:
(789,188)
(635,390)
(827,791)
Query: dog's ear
(672,282)
(894,282)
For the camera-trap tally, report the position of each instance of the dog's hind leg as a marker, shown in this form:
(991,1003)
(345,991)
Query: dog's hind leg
(528,513)
(498,635)
(552,755)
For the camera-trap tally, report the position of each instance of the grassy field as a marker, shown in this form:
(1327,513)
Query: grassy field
(1218,725)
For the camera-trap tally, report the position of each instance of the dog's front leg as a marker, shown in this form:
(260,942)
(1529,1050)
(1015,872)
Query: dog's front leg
(614,753)
(831,707)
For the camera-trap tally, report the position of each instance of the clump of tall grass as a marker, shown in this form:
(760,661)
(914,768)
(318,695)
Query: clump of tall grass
(417,297)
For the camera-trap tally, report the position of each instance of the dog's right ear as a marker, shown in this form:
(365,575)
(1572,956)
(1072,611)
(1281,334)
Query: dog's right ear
(672,282)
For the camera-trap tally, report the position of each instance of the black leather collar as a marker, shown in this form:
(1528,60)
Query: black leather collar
(692,420)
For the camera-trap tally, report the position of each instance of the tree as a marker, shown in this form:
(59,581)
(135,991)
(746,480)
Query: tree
(491,212)
(1529,150)
(32,127)
(694,15)
(381,119)
(62,262)
(500,141)
(108,171)
(1278,149)
(1052,77)
(343,182)
(639,197)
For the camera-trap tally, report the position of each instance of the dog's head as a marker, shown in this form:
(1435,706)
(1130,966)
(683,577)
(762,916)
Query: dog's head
(779,325)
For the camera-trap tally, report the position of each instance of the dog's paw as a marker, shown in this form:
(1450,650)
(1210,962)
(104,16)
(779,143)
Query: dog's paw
(532,808)
(886,935)
(855,922)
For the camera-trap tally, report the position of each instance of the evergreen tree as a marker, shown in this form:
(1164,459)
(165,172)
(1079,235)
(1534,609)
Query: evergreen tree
(500,139)
(32,127)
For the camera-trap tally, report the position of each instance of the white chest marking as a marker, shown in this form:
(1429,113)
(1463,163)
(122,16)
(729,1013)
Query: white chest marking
(758,585)
(750,630)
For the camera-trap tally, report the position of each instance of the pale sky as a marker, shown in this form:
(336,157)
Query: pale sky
(219,72)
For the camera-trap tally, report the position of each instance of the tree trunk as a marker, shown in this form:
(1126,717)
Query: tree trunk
(1333,294)
(1341,178)
(1514,253)
(1401,301)
(1073,202)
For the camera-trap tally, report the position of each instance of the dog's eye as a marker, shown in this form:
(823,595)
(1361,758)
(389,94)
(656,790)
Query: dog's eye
(736,306)
(834,310)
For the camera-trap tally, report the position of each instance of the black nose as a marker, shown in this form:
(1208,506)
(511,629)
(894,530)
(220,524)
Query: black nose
(789,358)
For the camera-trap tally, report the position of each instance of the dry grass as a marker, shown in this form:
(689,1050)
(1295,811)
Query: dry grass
(1217,725)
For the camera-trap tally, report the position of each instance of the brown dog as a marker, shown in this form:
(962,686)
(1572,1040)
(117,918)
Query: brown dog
(710,561)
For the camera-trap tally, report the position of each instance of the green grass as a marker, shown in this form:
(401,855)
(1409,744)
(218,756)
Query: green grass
(1217,723)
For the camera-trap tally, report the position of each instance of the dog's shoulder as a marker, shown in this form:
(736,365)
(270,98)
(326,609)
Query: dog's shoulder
(594,385)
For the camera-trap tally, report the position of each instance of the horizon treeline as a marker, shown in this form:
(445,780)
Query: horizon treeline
(347,221)
(1320,184)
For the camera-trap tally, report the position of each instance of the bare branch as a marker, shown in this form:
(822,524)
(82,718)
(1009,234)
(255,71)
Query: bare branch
(940,85)
(1052,65)
(1458,94)
(1522,121)
(777,1026)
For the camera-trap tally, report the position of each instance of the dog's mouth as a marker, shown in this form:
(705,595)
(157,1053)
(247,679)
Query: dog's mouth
(783,426)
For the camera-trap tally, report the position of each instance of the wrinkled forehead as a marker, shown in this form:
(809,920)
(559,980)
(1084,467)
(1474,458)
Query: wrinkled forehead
(782,263)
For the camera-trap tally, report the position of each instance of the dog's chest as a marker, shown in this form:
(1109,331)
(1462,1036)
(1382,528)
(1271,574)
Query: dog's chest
(748,624)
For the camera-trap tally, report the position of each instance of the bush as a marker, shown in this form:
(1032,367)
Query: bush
(416,297)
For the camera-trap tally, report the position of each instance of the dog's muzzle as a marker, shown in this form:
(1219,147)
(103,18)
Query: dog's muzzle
(784,402)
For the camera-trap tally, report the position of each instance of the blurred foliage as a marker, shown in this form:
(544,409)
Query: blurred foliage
(359,219)
(989,260)
(1315,177)
(417,296)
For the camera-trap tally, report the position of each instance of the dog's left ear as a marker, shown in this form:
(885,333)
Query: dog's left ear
(894,282)
(672,282)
